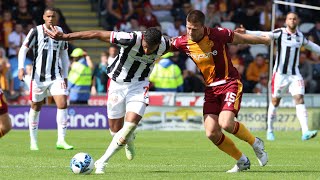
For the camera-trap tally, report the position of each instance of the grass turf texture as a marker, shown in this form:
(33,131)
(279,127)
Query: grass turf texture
(160,155)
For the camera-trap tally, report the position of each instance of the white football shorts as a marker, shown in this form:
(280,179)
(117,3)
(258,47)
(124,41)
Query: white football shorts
(41,90)
(127,96)
(281,83)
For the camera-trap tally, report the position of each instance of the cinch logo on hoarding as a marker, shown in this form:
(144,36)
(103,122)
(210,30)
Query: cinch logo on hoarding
(19,120)
(90,120)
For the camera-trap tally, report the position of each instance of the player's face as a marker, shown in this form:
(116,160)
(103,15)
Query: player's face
(147,48)
(49,18)
(195,31)
(292,21)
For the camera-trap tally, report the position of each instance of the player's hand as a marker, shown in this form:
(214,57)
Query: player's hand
(21,74)
(240,30)
(54,33)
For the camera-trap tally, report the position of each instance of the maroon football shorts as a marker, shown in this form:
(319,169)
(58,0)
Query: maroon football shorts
(225,97)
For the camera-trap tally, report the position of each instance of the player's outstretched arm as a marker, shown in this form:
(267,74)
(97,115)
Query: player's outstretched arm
(313,47)
(250,39)
(82,35)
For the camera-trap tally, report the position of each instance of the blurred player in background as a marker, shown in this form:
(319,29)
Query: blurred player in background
(207,47)
(5,122)
(286,74)
(49,77)
(128,89)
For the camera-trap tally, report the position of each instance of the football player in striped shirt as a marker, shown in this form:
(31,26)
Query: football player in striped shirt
(128,89)
(286,75)
(49,77)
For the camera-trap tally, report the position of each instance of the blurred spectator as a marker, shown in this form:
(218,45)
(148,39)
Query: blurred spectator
(254,71)
(80,77)
(22,15)
(233,6)
(6,27)
(100,75)
(280,22)
(213,16)
(113,52)
(237,60)
(25,90)
(118,12)
(167,76)
(15,39)
(162,9)
(178,29)
(138,6)
(13,61)
(265,16)
(286,8)
(262,86)
(200,5)
(129,26)
(315,32)
(306,71)
(6,82)
(248,17)
(193,80)
(147,19)
(36,8)
(186,8)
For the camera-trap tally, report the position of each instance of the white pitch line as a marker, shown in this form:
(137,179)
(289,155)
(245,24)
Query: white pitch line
(152,166)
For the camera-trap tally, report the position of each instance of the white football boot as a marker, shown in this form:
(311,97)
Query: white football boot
(240,166)
(261,154)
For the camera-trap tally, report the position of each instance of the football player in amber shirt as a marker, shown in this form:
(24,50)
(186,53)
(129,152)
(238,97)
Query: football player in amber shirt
(207,47)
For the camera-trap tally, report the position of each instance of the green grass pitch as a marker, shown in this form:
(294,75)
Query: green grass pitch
(160,155)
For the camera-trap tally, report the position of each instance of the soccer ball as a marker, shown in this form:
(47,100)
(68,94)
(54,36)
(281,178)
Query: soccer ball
(82,163)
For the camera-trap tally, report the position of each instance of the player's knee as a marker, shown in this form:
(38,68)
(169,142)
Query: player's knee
(275,102)
(299,99)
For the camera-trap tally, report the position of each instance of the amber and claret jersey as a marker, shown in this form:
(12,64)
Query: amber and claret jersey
(210,54)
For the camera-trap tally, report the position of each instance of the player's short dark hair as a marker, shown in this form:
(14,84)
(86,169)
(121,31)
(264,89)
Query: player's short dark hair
(152,36)
(292,12)
(196,16)
(50,9)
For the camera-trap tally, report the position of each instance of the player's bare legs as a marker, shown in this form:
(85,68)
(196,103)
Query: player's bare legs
(225,144)
(34,114)
(272,116)
(5,124)
(62,121)
(302,115)
(114,126)
(122,137)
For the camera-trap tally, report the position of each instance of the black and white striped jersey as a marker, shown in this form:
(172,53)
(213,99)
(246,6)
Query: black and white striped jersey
(49,55)
(132,64)
(288,49)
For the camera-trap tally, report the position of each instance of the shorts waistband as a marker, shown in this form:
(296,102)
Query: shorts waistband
(217,83)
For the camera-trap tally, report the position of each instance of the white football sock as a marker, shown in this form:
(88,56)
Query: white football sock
(112,133)
(302,115)
(62,122)
(272,111)
(33,125)
(116,143)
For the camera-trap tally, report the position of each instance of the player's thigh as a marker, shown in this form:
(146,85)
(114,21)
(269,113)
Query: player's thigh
(279,85)
(138,92)
(38,91)
(116,104)
(58,87)
(134,111)
(297,85)
(61,101)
